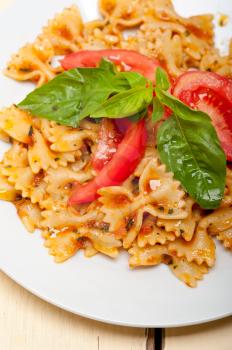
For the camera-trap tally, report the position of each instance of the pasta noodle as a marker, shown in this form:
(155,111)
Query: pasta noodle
(150,215)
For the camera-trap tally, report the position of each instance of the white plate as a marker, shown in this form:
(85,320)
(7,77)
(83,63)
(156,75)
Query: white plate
(100,288)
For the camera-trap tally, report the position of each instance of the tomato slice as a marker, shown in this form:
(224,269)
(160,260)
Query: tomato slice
(129,153)
(212,94)
(109,139)
(127,59)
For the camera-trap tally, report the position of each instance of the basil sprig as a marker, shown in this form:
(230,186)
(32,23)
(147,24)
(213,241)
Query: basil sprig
(187,141)
(78,93)
(189,146)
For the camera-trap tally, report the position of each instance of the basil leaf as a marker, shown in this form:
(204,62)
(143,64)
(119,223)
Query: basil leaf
(98,85)
(138,116)
(158,110)
(57,100)
(134,79)
(162,80)
(73,95)
(108,65)
(125,104)
(191,150)
(178,107)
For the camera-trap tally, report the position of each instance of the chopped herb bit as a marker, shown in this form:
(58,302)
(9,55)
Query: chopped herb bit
(55,108)
(57,158)
(81,241)
(24,70)
(170,211)
(223,20)
(104,226)
(130,223)
(167,259)
(161,208)
(175,266)
(30,132)
(18,197)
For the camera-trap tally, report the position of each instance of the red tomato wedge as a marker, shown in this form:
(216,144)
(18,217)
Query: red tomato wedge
(127,59)
(109,139)
(212,94)
(129,153)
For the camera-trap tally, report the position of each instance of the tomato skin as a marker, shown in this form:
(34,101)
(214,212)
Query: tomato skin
(128,60)
(212,94)
(118,169)
(109,139)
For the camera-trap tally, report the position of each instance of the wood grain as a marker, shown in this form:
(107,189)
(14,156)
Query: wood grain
(28,323)
(211,336)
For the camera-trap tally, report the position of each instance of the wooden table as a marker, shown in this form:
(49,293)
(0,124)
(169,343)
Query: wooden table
(28,323)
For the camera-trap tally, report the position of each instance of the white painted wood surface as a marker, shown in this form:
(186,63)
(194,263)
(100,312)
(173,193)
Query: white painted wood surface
(28,323)
(211,336)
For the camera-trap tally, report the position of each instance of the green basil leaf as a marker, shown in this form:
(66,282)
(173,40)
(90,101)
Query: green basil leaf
(162,80)
(158,110)
(108,65)
(138,116)
(73,95)
(125,104)
(191,150)
(98,85)
(179,108)
(134,79)
(58,100)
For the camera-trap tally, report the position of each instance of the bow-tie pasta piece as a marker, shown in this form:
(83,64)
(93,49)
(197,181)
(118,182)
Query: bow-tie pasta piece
(117,204)
(219,224)
(4,136)
(39,155)
(226,238)
(63,159)
(147,256)
(7,190)
(162,191)
(133,226)
(62,245)
(183,227)
(22,178)
(16,123)
(39,189)
(73,140)
(104,242)
(50,130)
(122,12)
(60,36)
(15,157)
(64,31)
(29,213)
(188,272)
(63,179)
(64,217)
(151,234)
(200,249)
(227,199)
(32,62)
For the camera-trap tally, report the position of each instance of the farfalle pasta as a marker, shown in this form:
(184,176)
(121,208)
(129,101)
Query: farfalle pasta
(150,214)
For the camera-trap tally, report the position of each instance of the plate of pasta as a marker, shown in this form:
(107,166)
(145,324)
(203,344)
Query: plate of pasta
(116,153)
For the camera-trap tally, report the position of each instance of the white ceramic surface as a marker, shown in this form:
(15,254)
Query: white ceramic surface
(101,288)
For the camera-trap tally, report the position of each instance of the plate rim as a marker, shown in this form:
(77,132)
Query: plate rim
(89,316)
